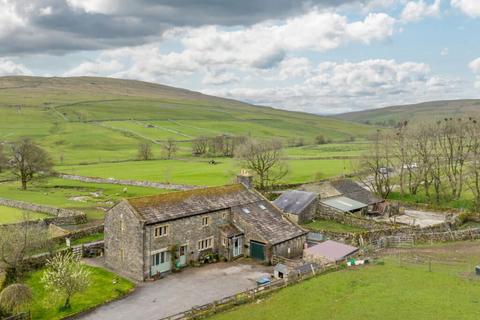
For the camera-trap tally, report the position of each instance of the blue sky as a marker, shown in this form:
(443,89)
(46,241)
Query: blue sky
(320,56)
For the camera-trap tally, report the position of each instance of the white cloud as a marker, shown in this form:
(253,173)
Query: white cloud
(9,19)
(469,7)
(340,87)
(475,67)
(417,10)
(8,67)
(95,68)
(96,6)
(444,52)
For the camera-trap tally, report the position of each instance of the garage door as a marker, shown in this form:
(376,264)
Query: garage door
(257,250)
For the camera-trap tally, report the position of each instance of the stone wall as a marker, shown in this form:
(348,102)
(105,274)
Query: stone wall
(328,213)
(187,231)
(59,215)
(149,184)
(124,238)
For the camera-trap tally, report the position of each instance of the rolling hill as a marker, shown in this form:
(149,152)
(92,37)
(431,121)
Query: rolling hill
(89,119)
(415,112)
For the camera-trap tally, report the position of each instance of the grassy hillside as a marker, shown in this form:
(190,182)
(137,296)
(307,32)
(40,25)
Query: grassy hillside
(87,119)
(415,112)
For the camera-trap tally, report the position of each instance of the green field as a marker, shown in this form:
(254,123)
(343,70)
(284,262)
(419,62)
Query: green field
(88,197)
(332,226)
(80,120)
(105,286)
(393,290)
(200,172)
(13,215)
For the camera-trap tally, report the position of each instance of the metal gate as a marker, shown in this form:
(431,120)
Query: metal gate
(257,250)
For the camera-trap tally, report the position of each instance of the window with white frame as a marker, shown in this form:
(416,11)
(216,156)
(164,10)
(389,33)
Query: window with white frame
(205,221)
(161,231)
(205,244)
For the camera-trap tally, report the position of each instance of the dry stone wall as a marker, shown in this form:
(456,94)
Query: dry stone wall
(59,215)
(137,183)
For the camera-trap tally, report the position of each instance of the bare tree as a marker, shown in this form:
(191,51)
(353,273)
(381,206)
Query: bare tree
(145,151)
(199,146)
(19,241)
(375,167)
(3,159)
(66,276)
(400,152)
(473,179)
(169,148)
(29,160)
(264,158)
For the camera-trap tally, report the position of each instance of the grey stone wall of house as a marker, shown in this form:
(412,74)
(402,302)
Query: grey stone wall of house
(186,231)
(251,234)
(124,241)
(290,249)
(308,213)
(59,215)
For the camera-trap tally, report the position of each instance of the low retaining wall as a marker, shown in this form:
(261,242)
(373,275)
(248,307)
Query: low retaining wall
(328,213)
(59,215)
(137,183)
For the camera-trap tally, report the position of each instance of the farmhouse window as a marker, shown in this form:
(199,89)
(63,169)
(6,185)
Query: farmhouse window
(205,244)
(205,221)
(161,231)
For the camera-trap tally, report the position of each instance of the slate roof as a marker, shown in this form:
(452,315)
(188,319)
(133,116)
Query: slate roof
(344,204)
(323,189)
(230,230)
(294,201)
(353,190)
(181,204)
(332,250)
(268,222)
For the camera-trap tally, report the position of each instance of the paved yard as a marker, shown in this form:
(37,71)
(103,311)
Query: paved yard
(182,291)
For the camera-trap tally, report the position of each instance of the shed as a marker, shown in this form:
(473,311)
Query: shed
(299,206)
(344,204)
(329,251)
(353,190)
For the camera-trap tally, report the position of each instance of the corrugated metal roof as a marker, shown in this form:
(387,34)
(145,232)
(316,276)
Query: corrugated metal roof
(344,204)
(294,201)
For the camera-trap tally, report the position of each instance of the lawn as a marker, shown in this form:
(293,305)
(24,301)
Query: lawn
(105,286)
(88,197)
(332,226)
(200,172)
(465,201)
(391,291)
(13,215)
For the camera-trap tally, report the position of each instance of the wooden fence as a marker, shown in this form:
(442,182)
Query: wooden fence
(250,295)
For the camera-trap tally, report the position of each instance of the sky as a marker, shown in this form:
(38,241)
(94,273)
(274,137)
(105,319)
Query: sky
(318,56)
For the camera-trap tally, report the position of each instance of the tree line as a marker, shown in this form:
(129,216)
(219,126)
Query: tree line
(439,158)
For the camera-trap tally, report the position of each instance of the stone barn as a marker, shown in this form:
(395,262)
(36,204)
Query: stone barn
(149,236)
(299,206)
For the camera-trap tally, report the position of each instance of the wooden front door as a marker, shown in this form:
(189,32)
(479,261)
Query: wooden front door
(237,243)
(182,256)
(161,262)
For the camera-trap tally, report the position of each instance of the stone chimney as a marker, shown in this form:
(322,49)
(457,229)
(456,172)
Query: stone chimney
(245,178)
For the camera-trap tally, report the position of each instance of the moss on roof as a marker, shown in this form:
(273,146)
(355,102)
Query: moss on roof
(179,196)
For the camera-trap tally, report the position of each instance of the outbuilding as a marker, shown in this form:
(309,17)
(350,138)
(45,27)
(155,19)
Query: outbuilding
(328,252)
(299,206)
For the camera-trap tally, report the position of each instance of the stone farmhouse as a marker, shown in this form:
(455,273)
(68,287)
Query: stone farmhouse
(149,236)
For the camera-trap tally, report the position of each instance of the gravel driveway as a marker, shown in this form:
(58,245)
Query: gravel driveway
(182,291)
